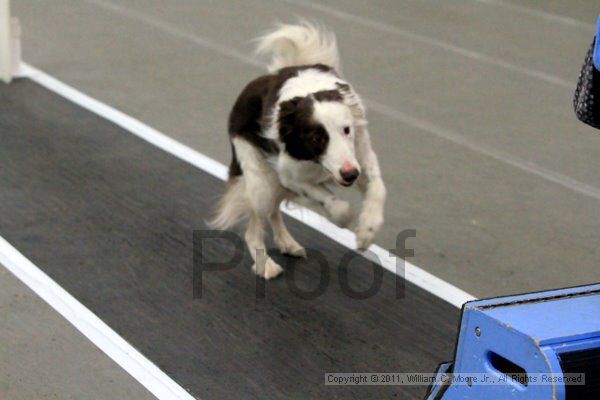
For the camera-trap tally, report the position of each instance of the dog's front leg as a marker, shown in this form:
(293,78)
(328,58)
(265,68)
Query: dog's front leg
(371,184)
(340,211)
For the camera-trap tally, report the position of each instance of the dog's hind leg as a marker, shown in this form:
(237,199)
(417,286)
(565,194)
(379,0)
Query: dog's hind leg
(264,266)
(282,237)
(262,193)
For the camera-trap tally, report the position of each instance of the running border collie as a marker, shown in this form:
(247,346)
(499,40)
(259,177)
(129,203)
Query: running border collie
(294,132)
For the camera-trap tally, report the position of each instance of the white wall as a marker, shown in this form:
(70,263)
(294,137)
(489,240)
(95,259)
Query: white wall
(5,42)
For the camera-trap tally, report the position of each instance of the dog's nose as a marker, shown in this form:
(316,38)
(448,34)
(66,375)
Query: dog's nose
(349,175)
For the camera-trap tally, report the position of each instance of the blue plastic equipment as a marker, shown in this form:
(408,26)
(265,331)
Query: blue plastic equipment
(547,334)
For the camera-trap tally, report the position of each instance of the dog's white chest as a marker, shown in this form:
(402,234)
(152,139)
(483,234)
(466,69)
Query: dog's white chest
(291,170)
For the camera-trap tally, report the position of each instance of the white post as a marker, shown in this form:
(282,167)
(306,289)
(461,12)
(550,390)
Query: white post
(5,42)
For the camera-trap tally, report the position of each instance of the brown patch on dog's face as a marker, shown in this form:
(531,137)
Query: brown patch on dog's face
(304,138)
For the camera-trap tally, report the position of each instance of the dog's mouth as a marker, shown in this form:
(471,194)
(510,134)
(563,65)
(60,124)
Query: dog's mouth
(345,183)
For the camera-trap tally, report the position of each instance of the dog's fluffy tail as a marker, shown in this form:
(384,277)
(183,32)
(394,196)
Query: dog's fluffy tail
(301,44)
(232,207)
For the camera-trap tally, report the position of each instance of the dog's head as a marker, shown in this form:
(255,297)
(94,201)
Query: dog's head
(321,127)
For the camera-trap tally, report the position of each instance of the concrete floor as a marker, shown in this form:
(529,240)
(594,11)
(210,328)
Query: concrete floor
(470,111)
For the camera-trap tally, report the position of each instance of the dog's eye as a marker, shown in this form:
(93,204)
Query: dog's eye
(346,130)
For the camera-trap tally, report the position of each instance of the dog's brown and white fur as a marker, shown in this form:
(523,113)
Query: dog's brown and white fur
(293,133)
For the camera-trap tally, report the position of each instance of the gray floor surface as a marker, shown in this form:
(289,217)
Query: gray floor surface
(470,111)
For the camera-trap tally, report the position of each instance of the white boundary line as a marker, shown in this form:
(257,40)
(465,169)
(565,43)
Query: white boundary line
(131,360)
(412,273)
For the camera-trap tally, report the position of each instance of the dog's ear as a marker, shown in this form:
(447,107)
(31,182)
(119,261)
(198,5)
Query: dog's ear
(289,107)
(344,87)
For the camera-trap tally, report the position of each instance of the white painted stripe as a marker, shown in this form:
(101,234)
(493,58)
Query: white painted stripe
(471,54)
(542,14)
(413,274)
(132,361)
(392,113)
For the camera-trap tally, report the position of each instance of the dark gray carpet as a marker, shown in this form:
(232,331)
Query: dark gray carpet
(110,218)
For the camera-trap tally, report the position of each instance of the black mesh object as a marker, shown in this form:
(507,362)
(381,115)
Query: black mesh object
(585,362)
(587,95)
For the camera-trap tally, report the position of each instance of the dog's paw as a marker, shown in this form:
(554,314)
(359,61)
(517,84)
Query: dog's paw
(294,250)
(269,270)
(369,222)
(364,238)
(288,245)
(340,212)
